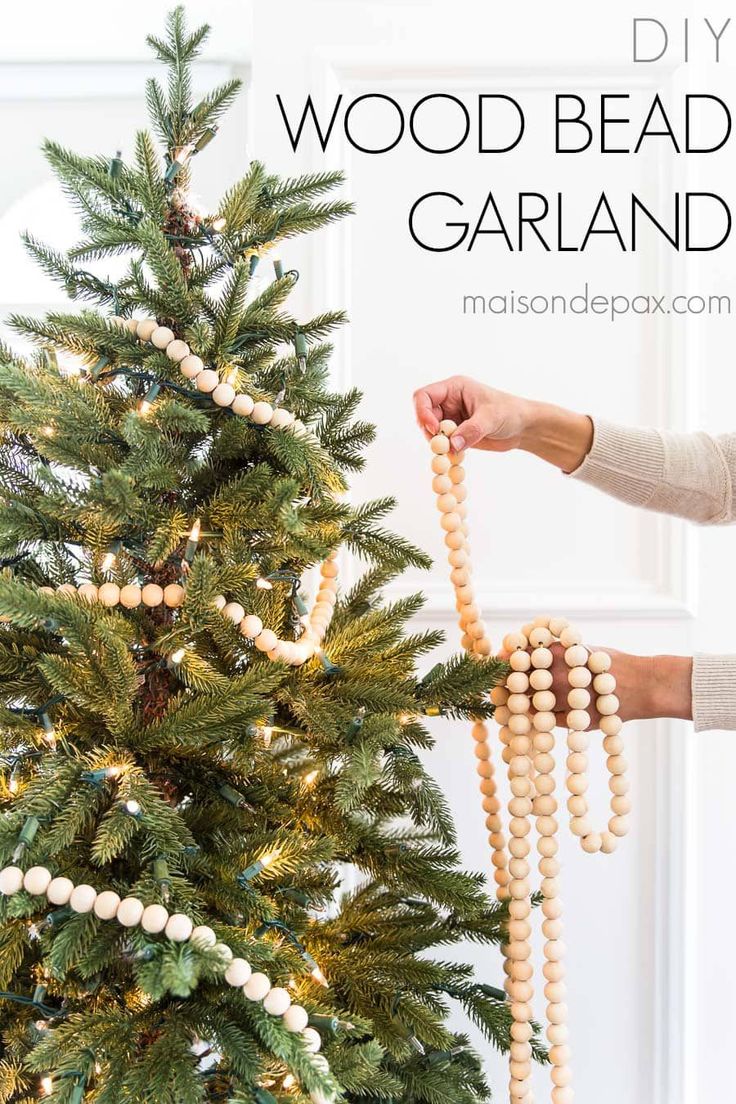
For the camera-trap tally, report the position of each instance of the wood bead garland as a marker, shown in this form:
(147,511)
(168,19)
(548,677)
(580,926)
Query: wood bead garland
(293,652)
(206,380)
(526,713)
(155,919)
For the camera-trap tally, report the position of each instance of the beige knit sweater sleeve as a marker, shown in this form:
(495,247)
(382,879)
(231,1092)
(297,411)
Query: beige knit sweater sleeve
(689,475)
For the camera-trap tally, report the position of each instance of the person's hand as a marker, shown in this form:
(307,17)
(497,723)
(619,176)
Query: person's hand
(494,420)
(486,418)
(646,686)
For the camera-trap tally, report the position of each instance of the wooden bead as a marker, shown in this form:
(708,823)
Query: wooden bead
(570,637)
(440,445)
(224,394)
(162,336)
(106,904)
(88,591)
(544,701)
(178,928)
(251,626)
(152,595)
(441,466)
(191,366)
(607,705)
(177,351)
(576,656)
(579,677)
(243,405)
(207,380)
(234,612)
(578,720)
(11,882)
(154,919)
(266,640)
(512,641)
(520,661)
(618,825)
(109,594)
(131,596)
(261,413)
(441,484)
(145,327)
(611,726)
(540,638)
(542,658)
(541,679)
(592,843)
(578,699)
(604,683)
(598,662)
(174,595)
(82,898)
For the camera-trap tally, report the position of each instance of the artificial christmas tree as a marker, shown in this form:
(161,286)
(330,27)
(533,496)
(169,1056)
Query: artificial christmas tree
(192,756)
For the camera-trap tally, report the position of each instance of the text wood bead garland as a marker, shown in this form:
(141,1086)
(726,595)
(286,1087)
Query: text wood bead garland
(293,652)
(130,912)
(525,711)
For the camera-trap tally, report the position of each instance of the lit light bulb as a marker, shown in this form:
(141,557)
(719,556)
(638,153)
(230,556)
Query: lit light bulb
(264,584)
(144,408)
(320,978)
(178,655)
(289,1081)
(132,807)
(48,431)
(267,733)
(49,732)
(108,561)
(70,365)
(219,224)
(311,778)
(47,1086)
(13,785)
(192,542)
(270,858)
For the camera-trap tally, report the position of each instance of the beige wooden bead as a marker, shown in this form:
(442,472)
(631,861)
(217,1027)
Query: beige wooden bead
(578,698)
(441,465)
(540,638)
(520,661)
(578,720)
(191,366)
(152,594)
(621,806)
(544,721)
(579,677)
(557,625)
(207,380)
(578,740)
(130,596)
(542,658)
(162,336)
(618,825)
(88,591)
(611,726)
(599,662)
(177,351)
(609,843)
(604,683)
(266,640)
(541,679)
(441,484)
(174,595)
(224,394)
(517,682)
(439,445)
(251,626)
(109,594)
(455,539)
(618,785)
(512,641)
(613,745)
(570,637)
(607,705)
(145,328)
(576,656)
(544,701)
(261,413)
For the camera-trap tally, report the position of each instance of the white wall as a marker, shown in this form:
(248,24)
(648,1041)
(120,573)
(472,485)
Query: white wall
(646,947)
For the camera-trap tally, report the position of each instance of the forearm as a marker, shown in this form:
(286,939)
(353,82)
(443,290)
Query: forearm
(561,437)
(670,688)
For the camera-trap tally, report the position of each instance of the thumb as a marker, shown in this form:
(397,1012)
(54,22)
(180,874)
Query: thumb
(468,433)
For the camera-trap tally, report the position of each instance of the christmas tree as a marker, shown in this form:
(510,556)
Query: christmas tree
(192,757)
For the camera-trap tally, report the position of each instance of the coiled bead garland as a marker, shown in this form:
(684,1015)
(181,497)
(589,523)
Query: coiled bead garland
(525,711)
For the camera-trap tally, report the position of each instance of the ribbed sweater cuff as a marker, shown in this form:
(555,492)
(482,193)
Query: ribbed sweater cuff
(714,692)
(623,462)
